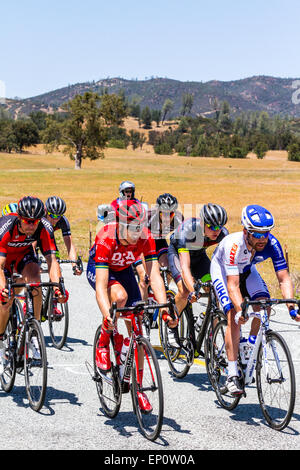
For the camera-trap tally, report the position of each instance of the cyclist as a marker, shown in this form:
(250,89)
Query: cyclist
(162,220)
(187,256)
(109,272)
(106,212)
(17,233)
(10,209)
(235,276)
(126,192)
(56,207)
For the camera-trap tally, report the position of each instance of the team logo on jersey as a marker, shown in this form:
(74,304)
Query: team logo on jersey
(233,253)
(121,259)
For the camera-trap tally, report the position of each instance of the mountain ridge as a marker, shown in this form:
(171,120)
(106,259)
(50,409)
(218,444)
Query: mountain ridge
(274,95)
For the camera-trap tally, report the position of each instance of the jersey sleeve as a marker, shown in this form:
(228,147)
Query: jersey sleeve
(46,238)
(277,255)
(231,256)
(149,249)
(6,225)
(104,247)
(64,225)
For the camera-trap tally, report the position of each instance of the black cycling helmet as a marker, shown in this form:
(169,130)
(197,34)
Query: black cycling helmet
(56,205)
(31,207)
(213,214)
(167,203)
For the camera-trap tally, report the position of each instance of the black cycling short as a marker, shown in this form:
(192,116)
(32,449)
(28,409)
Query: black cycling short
(200,264)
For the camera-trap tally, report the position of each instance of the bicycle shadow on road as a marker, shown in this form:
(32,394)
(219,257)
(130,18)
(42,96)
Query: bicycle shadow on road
(127,419)
(251,414)
(53,397)
(198,379)
(67,347)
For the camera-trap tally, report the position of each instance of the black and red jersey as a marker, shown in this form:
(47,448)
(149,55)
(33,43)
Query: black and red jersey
(63,225)
(15,244)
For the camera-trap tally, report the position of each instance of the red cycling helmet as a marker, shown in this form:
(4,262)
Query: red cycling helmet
(131,211)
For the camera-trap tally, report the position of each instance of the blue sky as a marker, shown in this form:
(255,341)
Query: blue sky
(49,44)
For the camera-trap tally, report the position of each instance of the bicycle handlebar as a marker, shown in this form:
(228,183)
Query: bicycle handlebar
(29,285)
(140,307)
(263,303)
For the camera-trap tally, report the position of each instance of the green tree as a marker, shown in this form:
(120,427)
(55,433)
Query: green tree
(83,132)
(26,133)
(156,116)
(187,103)
(113,109)
(134,138)
(166,109)
(294,152)
(261,149)
(146,117)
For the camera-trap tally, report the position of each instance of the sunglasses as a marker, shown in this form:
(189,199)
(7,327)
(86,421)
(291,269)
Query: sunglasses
(135,228)
(259,235)
(165,213)
(54,216)
(214,228)
(30,221)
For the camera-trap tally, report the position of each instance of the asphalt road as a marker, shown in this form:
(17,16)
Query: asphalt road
(193,420)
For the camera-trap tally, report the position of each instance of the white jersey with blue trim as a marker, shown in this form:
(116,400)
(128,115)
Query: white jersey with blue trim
(233,254)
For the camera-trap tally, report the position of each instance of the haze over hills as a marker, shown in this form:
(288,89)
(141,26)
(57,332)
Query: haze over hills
(258,93)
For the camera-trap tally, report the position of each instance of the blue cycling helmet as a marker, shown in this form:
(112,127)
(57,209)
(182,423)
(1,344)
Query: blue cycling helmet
(257,218)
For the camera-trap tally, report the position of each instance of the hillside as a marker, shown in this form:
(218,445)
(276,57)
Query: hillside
(260,93)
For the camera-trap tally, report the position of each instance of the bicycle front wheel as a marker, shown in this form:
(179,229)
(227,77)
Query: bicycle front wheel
(7,379)
(148,381)
(275,377)
(108,385)
(217,368)
(35,365)
(58,318)
(180,358)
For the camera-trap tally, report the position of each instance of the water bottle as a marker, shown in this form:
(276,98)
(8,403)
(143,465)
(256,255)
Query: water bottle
(250,345)
(199,322)
(243,349)
(124,352)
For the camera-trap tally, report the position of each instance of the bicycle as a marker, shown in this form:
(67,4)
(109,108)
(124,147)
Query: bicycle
(25,347)
(270,357)
(192,337)
(110,386)
(56,314)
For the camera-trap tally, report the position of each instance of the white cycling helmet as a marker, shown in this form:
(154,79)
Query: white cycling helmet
(257,218)
(126,185)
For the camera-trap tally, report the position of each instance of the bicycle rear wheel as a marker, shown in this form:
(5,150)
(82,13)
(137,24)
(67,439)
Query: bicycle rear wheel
(275,377)
(108,385)
(35,365)
(161,331)
(149,383)
(7,379)
(58,318)
(217,368)
(180,359)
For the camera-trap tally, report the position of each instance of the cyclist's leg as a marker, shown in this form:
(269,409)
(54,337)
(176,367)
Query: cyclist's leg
(174,265)
(256,290)
(29,268)
(141,272)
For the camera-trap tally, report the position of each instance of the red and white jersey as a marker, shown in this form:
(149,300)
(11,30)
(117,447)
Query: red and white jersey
(108,252)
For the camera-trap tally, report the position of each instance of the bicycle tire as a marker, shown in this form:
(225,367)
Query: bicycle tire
(218,368)
(150,423)
(269,388)
(58,326)
(180,359)
(35,370)
(108,386)
(7,379)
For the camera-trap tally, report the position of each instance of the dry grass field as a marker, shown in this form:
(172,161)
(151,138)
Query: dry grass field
(272,182)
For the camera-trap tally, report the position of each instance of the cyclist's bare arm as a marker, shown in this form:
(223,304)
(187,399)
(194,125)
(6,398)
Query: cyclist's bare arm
(185,263)
(234,292)
(286,287)
(53,267)
(71,251)
(102,295)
